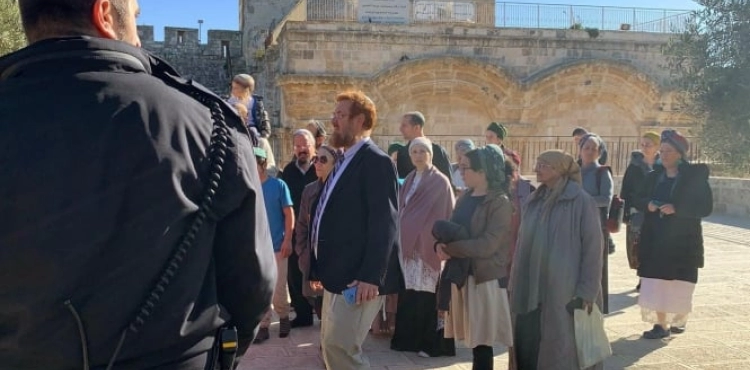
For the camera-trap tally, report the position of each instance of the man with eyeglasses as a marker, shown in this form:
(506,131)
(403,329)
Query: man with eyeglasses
(297,174)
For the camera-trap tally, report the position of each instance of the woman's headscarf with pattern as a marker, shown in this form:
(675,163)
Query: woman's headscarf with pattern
(493,163)
(677,141)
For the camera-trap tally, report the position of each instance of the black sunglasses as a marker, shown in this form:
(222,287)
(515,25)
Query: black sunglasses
(319,159)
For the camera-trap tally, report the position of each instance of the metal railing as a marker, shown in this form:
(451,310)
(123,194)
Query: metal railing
(606,18)
(517,15)
(619,148)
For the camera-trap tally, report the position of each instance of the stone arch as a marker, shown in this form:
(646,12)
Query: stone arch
(446,89)
(608,97)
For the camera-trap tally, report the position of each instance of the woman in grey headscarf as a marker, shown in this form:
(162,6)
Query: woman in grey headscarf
(461,147)
(557,266)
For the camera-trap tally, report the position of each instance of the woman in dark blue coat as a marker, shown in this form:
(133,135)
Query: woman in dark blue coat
(674,198)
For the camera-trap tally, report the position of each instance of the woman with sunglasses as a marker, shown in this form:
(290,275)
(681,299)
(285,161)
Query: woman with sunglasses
(324,161)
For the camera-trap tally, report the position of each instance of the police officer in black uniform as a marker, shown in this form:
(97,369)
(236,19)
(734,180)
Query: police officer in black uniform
(133,232)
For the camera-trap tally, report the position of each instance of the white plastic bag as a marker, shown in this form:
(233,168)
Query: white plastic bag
(591,340)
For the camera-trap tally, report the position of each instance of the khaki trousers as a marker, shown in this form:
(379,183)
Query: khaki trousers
(344,329)
(280,301)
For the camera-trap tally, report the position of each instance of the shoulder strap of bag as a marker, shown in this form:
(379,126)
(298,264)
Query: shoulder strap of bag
(599,172)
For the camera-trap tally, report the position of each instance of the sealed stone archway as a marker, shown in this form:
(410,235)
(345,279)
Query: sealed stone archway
(460,96)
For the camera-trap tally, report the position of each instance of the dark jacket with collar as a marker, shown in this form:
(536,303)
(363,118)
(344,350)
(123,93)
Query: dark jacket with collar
(670,248)
(634,178)
(358,233)
(296,180)
(104,167)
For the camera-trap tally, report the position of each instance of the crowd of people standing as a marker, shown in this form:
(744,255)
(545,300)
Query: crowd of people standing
(183,214)
(469,250)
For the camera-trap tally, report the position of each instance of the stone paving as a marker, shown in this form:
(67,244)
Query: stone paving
(717,336)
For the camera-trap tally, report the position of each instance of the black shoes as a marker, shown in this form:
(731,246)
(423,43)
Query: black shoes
(658,332)
(285,326)
(298,322)
(677,329)
(262,336)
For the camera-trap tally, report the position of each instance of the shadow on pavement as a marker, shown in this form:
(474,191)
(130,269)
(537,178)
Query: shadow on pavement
(621,301)
(629,351)
(743,223)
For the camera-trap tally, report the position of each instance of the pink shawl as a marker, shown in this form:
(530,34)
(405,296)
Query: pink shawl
(433,200)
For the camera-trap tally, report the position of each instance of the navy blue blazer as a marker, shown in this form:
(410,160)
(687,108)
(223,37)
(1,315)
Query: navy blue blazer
(358,238)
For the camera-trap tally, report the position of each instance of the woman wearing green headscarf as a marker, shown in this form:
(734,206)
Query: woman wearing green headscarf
(479,312)
(495,134)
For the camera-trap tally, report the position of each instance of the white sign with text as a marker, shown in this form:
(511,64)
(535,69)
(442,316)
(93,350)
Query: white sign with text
(442,11)
(383,11)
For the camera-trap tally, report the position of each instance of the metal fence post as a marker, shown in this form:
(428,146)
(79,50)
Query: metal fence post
(619,154)
(538,16)
(572,17)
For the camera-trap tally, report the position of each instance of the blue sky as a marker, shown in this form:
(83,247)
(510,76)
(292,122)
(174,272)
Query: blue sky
(223,14)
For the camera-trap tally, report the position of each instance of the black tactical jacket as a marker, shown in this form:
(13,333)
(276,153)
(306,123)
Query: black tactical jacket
(103,164)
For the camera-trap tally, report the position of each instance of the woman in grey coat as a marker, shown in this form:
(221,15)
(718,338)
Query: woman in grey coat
(596,180)
(557,266)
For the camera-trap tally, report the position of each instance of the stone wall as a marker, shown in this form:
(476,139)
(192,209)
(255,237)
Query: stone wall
(205,62)
(258,19)
(540,82)
(731,196)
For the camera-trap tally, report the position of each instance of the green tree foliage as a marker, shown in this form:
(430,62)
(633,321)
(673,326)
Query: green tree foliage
(712,63)
(11,32)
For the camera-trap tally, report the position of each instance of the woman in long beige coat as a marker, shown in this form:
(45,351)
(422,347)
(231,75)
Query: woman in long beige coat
(557,266)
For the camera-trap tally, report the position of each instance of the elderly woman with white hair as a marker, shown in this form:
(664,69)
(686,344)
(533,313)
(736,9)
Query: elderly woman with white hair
(426,197)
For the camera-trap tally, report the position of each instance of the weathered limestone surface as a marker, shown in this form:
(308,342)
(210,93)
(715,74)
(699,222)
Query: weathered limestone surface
(205,62)
(541,82)
(731,196)
(717,333)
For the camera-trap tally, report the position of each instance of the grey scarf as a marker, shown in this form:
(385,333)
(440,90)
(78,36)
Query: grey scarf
(531,261)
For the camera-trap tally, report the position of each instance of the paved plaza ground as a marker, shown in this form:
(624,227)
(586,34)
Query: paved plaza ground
(717,336)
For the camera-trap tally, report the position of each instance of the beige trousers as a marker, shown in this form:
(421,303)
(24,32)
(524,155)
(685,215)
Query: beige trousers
(280,300)
(344,330)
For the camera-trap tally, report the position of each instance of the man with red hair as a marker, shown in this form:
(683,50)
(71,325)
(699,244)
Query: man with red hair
(354,234)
